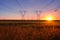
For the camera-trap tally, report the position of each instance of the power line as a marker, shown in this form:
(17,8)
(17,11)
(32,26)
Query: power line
(38,12)
(19,4)
(56,8)
(48,4)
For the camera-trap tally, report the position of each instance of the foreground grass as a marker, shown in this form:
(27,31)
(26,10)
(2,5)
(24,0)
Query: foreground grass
(29,32)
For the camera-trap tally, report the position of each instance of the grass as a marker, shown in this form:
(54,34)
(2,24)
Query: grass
(29,30)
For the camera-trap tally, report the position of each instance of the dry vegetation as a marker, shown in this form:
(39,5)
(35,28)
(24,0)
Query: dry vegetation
(29,32)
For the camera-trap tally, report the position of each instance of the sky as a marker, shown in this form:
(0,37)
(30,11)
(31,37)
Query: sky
(26,9)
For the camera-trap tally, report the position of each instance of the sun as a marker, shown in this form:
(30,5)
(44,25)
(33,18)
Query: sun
(49,18)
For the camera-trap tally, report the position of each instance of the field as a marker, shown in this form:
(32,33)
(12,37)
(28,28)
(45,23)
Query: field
(29,30)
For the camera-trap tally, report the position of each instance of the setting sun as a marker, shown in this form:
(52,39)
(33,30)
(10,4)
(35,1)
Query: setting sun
(49,18)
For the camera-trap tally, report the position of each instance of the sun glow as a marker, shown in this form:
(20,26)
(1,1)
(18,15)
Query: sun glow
(49,18)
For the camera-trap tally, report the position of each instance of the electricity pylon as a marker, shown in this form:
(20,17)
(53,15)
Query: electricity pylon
(38,13)
(22,14)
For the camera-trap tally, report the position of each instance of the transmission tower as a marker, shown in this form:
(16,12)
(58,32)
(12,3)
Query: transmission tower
(38,14)
(22,12)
